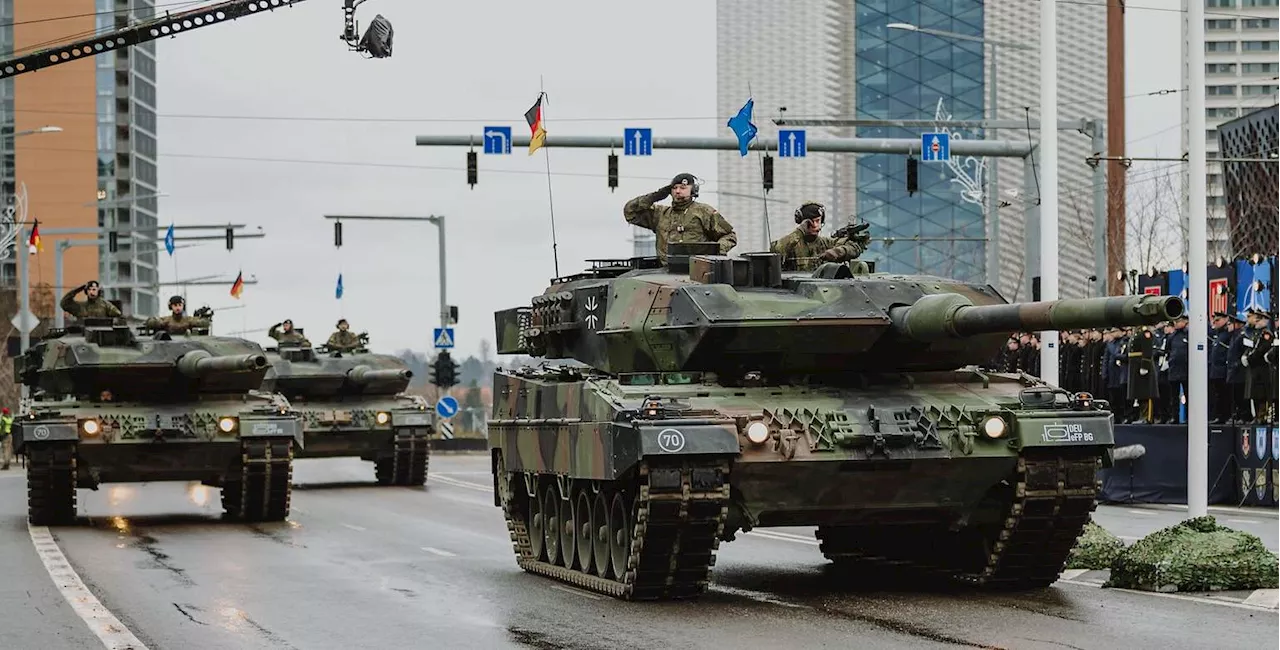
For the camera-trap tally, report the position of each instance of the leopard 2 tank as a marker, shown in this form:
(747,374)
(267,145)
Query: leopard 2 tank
(353,404)
(716,393)
(111,405)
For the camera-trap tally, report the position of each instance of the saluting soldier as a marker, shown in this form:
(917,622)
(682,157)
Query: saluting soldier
(94,306)
(684,221)
(284,333)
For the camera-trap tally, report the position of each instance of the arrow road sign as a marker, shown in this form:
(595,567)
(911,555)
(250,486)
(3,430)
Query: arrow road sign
(935,147)
(637,142)
(497,139)
(447,407)
(443,337)
(446,430)
(791,143)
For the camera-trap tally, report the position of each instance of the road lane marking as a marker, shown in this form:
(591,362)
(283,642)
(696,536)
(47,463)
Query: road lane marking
(759,596)
(113,634)
(359,528)
(575,592)
(462,484)
(783,537)
(1144,513)
(439,552)
(1251,522)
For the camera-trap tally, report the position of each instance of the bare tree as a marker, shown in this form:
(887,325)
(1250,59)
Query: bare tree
(1154,231)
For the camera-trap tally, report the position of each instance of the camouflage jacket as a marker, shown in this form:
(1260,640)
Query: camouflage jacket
(292,336)
(177,325)
(689,222)
(90,308)
(801,251)
(343,341)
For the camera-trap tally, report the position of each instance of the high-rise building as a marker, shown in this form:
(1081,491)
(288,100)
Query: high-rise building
(1249,188)
(1240,73)
(837,59)
(100,169)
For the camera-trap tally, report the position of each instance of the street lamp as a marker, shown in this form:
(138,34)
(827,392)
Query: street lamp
(993,195)
(43,129)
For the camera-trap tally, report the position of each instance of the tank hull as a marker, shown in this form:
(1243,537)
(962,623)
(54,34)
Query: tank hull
(234,444)
(384,431)
(894,473)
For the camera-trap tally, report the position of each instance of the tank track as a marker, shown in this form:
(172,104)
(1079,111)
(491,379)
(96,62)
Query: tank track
(408,462)
(1049,502)
(674,513)
(51,483)
(262,489)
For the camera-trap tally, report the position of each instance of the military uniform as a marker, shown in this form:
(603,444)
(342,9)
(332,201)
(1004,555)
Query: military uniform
(343,341)
(290,337)
(686,221)
(804,252)
(177,324)
(91,308)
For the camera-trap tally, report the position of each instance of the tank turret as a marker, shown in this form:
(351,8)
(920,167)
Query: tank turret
(304,372)
(105,357)
(736,314)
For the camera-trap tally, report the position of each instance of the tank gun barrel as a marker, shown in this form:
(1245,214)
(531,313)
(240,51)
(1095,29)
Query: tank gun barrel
(199,363)
(362,375)
(952,315)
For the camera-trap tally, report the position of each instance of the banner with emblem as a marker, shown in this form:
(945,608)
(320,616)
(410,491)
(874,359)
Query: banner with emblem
(1260,483)
(1222,287)
(1260,442)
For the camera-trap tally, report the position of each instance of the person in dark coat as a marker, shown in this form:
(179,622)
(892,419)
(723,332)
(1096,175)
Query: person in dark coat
(1236,371)
(1176,344)
(1219,389)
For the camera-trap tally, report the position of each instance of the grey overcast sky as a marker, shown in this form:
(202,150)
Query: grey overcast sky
(465,66)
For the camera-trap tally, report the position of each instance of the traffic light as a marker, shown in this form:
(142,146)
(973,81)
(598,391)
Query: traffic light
(337,234)
(768,172)
(445,370)
(613,171)
(471,168)
(913,180)
(231,238)
(113,241)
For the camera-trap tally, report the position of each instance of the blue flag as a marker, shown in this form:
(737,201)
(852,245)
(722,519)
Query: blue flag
(742,126)
(168,240)
(338,292)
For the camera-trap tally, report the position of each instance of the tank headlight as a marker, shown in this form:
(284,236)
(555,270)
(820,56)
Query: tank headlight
(757,432)
(227,424)
(994,427)
(90,427)
(383,417)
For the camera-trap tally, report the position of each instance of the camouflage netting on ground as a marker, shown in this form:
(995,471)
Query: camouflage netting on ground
(1195,555)
(1096,549)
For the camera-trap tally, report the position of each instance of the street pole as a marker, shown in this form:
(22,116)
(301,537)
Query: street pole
(1049,183)
(438,220)
(993,189)
(1197,271)
(1008,149)
(1099,211)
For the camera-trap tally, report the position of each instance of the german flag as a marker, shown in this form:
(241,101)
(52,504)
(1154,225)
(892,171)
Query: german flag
(534,117)
(33,242)
(237,287)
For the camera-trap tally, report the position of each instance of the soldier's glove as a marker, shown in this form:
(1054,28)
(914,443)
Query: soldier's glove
(661,193)
(829,255)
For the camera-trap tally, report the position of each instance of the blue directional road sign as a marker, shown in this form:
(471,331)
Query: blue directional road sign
(791,143)
(497,139)
(447,407)
(443,337)
(935,147)
(637,142)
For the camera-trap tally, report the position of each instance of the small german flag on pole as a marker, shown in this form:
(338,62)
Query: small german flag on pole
(34,245)
(534,117)
(237,287)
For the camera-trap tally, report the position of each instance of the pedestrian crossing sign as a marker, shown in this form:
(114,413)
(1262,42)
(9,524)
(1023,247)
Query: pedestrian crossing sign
(443,337)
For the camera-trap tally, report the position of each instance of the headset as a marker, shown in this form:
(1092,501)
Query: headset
(822,211)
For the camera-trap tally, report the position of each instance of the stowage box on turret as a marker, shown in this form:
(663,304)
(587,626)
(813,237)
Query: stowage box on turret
(108,405)
(353,404)
(717,394)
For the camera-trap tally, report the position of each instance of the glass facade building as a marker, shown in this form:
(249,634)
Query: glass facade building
(903,74)
(8,270)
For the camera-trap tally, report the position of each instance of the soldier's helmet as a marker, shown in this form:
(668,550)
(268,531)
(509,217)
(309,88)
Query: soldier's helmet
(686,178)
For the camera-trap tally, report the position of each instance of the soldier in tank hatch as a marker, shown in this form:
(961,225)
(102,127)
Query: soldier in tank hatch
(684,221)
(284,333)
(803,249)
(343,340)
(178,322)
(94,306)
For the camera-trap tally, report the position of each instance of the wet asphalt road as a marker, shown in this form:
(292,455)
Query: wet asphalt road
(359,566)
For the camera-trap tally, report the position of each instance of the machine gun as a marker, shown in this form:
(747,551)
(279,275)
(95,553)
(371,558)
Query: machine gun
(853,231)
(376,40)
